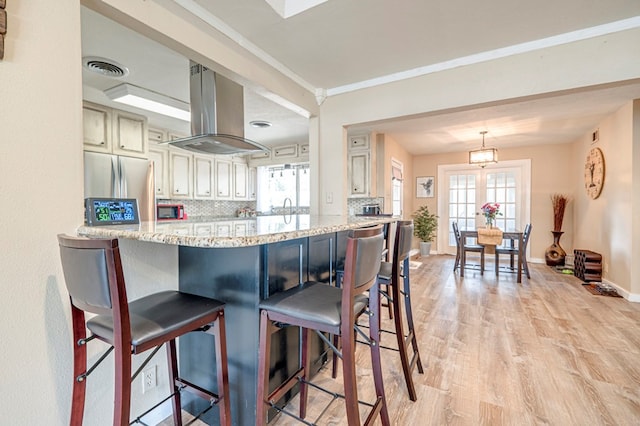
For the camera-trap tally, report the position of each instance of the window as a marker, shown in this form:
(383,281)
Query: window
(277,183)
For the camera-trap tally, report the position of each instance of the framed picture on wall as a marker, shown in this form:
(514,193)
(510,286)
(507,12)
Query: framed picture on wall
(425,187)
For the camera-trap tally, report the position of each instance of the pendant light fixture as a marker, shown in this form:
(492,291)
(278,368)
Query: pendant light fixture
(483,156)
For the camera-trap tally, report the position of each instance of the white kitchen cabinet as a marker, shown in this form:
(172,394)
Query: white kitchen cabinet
(113,131)
(252,184)
(240,175)
(361,167)
(223,229)
(223,179)
(240,229)
(156,136)
(203,166)
(359,174)
(130,134)
(358,142)
(285,151)
(160,158)
(96,127)
(180,171)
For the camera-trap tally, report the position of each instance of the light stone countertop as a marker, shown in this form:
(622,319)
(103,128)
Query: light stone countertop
(235,232)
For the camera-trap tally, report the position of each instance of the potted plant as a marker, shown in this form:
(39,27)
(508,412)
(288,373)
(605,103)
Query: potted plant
(425,225)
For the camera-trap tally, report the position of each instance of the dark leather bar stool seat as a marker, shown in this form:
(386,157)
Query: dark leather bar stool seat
(327,309)
(395,275)
(95,281)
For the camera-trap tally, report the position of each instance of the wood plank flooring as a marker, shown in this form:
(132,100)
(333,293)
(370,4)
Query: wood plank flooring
(495,352)
(500,353)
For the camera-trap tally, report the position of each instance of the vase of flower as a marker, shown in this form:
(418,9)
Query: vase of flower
(490,211)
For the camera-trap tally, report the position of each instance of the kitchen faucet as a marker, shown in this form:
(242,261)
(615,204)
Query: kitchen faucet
(284,205)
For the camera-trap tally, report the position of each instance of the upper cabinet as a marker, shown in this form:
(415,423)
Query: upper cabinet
(203,176)
(96,125)
(180,173)
(223,179)
(292,153)
(361,167)
(240,174)
(113,131)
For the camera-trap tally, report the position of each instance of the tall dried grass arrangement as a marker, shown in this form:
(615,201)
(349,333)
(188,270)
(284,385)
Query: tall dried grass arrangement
(559,202)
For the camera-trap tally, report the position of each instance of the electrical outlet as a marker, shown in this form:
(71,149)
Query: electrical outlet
(149,379)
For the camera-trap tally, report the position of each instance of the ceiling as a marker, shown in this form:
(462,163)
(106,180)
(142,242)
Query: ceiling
(341,45)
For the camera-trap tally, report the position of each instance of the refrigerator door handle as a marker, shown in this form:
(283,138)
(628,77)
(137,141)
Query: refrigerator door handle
(116,184)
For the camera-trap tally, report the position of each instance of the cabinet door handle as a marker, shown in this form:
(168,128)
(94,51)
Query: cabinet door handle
(101,142)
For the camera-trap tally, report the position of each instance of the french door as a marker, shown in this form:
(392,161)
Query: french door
(466,188)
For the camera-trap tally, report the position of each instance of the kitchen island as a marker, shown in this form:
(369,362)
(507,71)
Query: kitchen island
(241,262)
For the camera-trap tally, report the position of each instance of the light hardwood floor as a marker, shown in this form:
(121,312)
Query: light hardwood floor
(495,352)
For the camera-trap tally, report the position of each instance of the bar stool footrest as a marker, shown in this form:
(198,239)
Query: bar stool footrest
(197,390)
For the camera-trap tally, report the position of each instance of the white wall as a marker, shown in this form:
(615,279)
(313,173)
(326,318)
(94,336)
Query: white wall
(41,179)
(605,225)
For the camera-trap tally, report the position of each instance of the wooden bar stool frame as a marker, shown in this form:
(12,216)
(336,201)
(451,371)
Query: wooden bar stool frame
(396,276)
(363,255)
(113,306)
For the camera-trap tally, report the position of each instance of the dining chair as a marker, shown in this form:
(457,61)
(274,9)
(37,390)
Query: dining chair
(95,281)
(512,251)
(463,245)
(322,308)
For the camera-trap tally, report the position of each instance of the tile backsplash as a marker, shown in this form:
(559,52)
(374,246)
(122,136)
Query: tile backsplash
(211,208)
(229,208)
(355,205)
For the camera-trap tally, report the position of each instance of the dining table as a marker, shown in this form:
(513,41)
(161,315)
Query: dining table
(506,235)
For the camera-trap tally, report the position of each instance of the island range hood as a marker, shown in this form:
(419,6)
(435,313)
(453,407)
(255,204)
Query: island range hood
(217,115)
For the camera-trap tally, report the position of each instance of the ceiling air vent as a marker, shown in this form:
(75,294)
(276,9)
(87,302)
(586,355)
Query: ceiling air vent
(106,67)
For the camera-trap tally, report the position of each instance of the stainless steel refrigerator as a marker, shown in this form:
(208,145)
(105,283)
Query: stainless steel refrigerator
(114,176)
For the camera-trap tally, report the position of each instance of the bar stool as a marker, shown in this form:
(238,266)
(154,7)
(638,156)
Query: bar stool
(395,275)
(95,281)
(328,309)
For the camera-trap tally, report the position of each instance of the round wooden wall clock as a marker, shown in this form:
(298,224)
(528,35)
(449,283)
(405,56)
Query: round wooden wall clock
(594,173)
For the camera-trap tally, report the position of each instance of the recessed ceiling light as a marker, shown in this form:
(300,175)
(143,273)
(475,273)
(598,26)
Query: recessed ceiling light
(260,124)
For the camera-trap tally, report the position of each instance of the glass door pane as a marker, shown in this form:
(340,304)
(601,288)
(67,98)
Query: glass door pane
(468,189)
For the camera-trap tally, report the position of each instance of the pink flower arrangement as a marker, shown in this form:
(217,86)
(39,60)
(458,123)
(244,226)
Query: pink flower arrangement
(490,211)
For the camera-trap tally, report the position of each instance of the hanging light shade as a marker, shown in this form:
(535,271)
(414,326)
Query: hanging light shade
(483,156)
